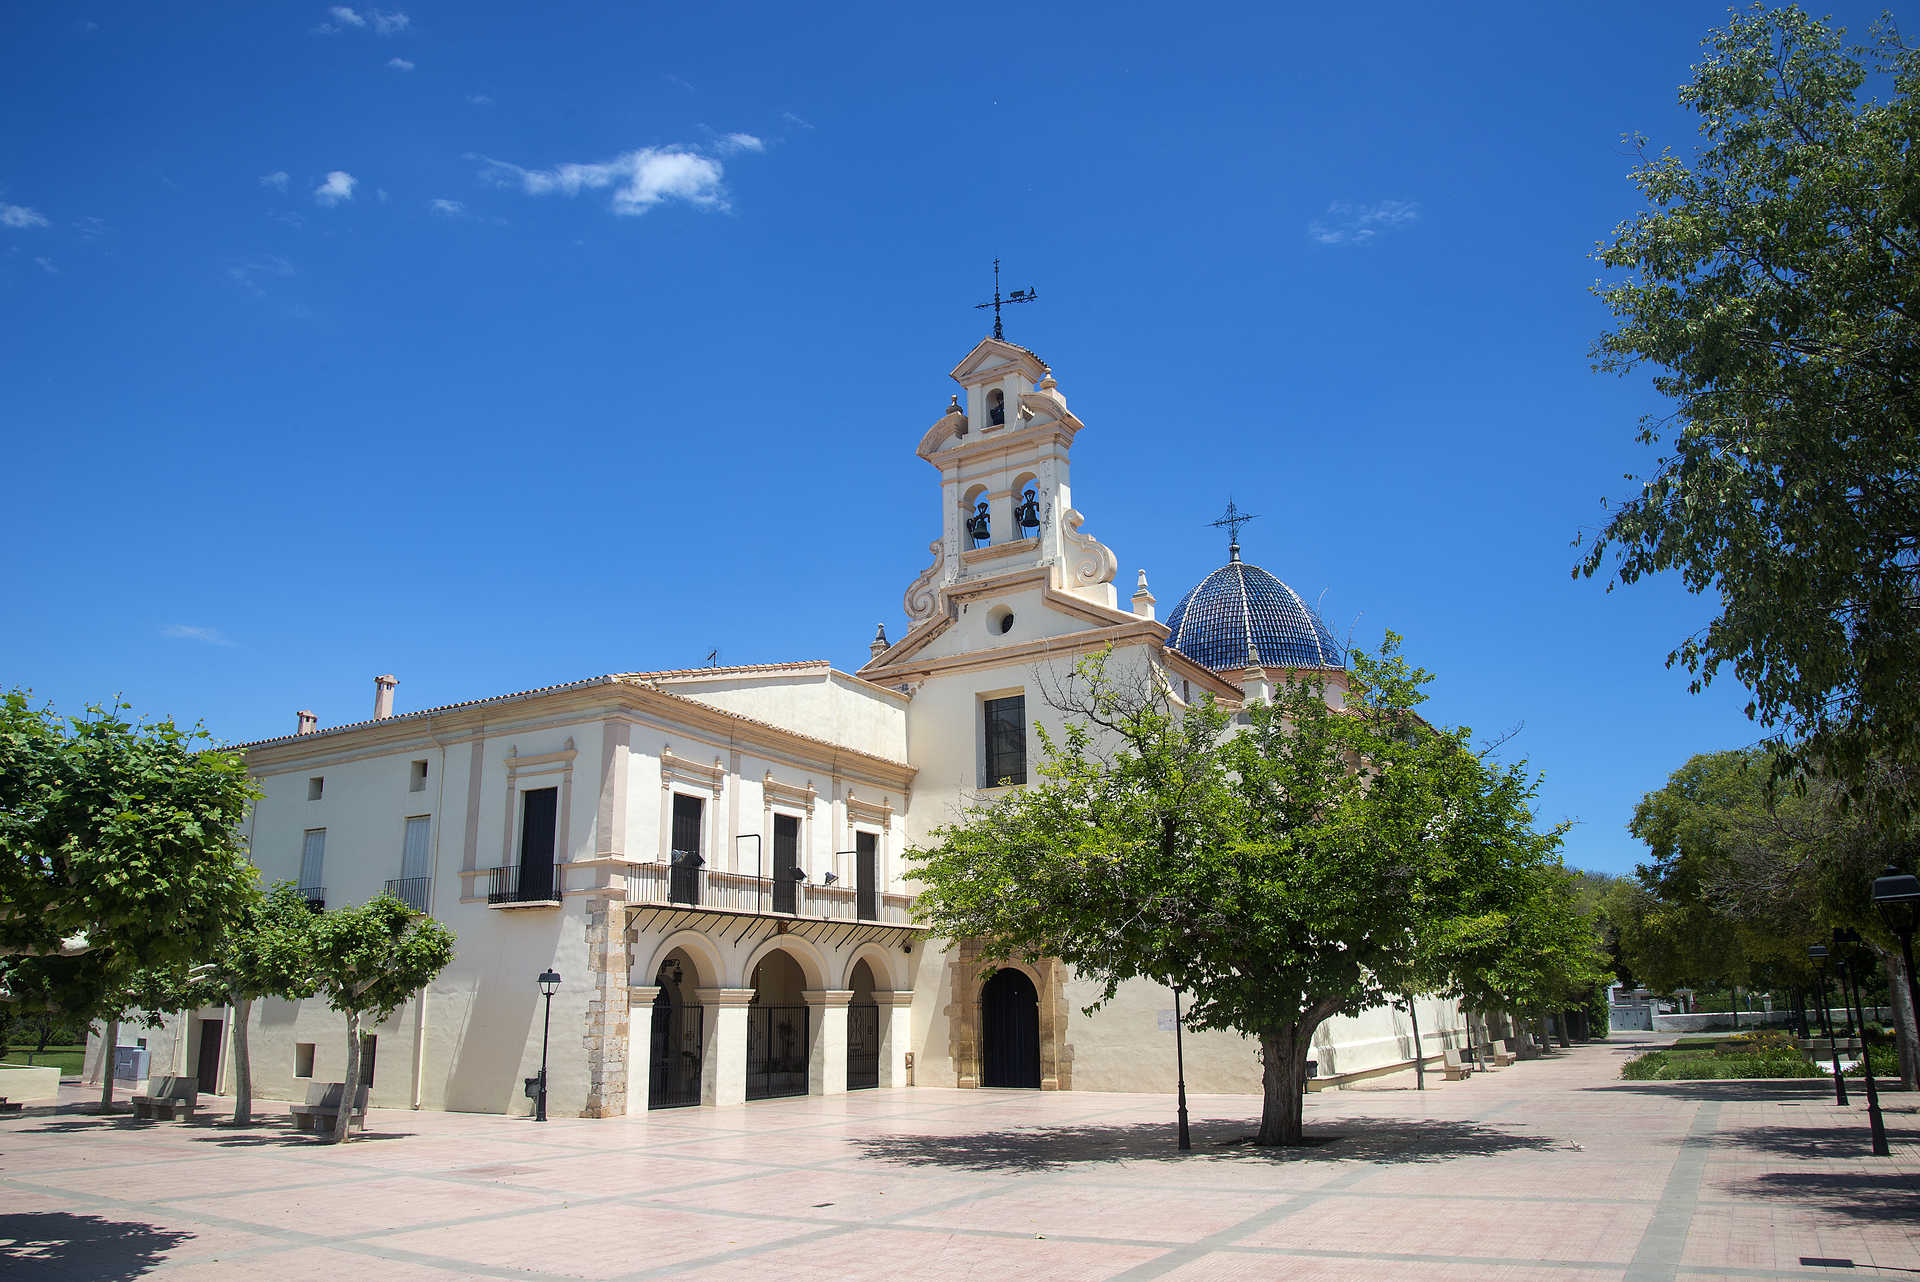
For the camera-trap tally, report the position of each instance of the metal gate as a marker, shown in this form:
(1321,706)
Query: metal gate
(673,1080)
(777,1051)
(863,1047)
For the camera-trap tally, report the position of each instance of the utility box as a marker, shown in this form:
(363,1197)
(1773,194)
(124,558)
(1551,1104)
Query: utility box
(130,1063)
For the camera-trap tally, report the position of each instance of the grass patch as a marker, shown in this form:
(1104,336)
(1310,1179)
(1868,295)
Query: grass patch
(1764,1054)
(65,1058)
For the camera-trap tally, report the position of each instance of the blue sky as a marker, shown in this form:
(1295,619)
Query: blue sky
(496,346)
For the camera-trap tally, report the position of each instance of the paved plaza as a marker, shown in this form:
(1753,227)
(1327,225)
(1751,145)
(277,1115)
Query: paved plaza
(1548,1169)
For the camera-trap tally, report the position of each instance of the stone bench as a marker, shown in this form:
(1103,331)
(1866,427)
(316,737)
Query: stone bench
(1455,1068)
(322,1109)
(166,1099)
(1502,1056)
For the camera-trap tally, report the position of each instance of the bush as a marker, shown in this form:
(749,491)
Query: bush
(1764,1053)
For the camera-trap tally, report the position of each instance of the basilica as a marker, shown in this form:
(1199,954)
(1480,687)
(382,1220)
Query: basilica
(712,860)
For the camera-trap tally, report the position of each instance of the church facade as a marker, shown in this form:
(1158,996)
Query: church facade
(713,859)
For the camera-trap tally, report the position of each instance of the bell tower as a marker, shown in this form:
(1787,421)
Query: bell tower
(1006,499)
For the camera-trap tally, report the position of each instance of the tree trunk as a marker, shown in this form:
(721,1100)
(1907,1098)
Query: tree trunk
(242,1064)
(344,1119)
(1283,1080)
(1906,1030)
(1419,1051)
(107,1046)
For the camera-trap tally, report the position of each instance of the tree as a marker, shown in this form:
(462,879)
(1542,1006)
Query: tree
(116,839)
(1770,283)
(366,962)
(1279,874)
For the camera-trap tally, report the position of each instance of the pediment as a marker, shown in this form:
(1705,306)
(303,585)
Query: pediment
(949,427)
(993,357)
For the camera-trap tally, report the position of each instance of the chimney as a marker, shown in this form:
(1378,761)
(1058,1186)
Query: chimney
(308,722)
(879,645)
(1143,599)
(383,696)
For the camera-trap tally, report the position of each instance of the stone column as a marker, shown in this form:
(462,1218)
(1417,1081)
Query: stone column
(640,1047)
(827,1057)
(896,1035)
(607,1022)
(723,1060)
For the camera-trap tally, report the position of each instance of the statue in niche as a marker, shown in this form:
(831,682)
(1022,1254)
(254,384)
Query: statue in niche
(980,525)
(1028,513)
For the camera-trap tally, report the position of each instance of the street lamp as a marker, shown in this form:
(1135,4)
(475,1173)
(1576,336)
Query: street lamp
(1180,1071)
(549,985)
(1897,895)
(1875,1123)
(1818,954)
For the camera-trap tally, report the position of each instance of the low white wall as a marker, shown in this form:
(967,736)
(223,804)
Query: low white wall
(1723,1020)
(21,1082)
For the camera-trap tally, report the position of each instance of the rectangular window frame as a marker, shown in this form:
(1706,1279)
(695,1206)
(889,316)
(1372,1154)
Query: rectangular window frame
(1006,765)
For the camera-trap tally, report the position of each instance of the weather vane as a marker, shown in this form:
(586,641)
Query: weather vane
(1233,520)
(1026,295)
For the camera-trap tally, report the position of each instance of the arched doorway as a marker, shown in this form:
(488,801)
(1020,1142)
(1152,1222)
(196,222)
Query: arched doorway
(863,1032)
(1010,1031)
(678,1037)
(779,1042)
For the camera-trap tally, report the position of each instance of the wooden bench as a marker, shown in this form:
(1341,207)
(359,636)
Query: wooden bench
(166,1099)
(322,1108)
(1455,1069)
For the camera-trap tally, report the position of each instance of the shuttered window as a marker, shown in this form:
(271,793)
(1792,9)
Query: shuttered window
(414,853)
(686,824)
(313,854)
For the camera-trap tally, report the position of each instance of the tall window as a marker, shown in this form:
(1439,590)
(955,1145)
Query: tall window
(683,880)
(786,863)
(415,863)
(313,856)
(866,875)
(539,815)
(1006,734)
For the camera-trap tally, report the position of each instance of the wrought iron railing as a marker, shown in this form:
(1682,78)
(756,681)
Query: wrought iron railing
(695,886)
(411,891)
(517,885)
(316,897)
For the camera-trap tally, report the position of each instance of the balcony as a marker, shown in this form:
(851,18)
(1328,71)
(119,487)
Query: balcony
(682,885)
(518,887)
(316,897)
(411,891)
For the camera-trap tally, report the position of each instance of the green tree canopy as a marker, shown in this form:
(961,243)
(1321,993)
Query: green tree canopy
(1279,873)
(1773,285)
(366,962)
(118,838)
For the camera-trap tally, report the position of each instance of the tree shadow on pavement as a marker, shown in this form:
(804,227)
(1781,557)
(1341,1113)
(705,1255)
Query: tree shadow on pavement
(53,1246)
(1052,1148)
(1731,1090)
(1814,1142)
(1874,1196)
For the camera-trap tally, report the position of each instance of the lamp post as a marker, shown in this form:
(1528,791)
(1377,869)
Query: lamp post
(549,985)
(1818,954)
(1876,1125)
(1897,895)
(1180,1072)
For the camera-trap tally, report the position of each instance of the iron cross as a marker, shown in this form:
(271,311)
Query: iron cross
(1026,295)
(1233,520)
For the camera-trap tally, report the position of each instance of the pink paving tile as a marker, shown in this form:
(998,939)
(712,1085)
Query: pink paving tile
(592,1241)
(364,1206)
(884,1253)
(1229,1266)
(1167,1215)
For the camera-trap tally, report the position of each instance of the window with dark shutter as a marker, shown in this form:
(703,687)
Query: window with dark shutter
(539,809)
(683,877)
(1006,733)
(786,863)
(866,875)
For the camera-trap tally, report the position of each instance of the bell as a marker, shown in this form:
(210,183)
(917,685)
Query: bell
(1028,513)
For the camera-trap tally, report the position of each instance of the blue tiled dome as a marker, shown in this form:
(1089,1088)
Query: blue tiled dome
(1241,608)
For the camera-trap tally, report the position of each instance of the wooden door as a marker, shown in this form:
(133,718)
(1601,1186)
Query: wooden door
(208,1067)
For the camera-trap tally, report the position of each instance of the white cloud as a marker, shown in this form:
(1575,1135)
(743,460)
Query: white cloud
(20,217)
(346,17)
(343,18)
(400,64)
(276,180)
(1348,223)
(338,187)
(479,100)
(388,24)
(188,632)
(381,194)
(740,142)
(46,265)
(451,208)
(249,270)
(90,227)
(640,179)
(796,121)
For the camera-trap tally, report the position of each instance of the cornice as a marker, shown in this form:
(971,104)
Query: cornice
(1053,432)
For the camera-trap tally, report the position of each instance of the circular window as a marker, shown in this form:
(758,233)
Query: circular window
(999,621)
